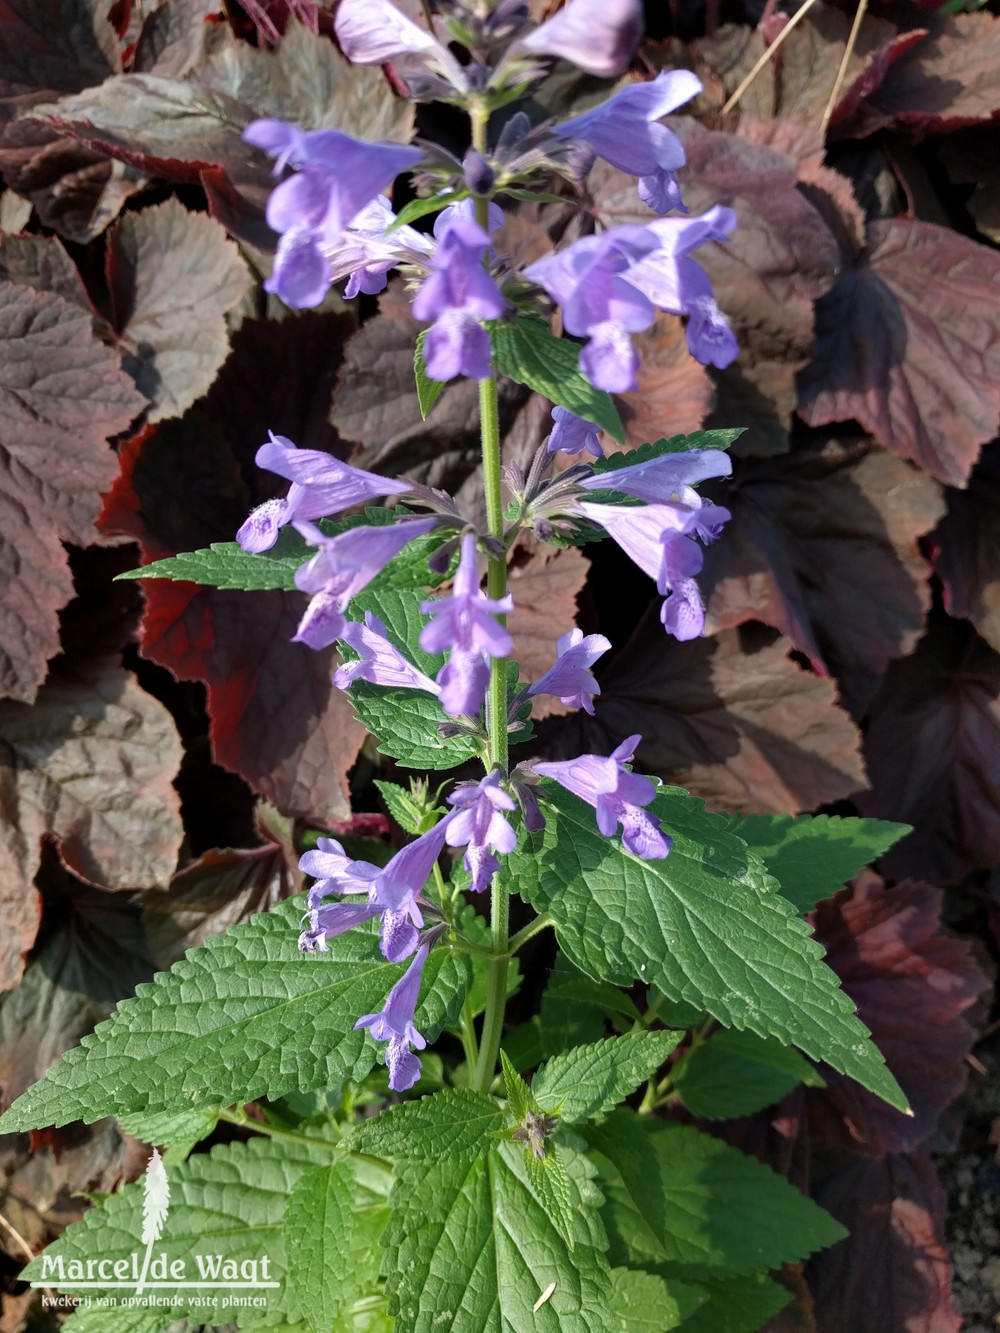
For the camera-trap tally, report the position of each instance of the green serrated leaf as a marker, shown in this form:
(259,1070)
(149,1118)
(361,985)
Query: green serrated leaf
(228,1203)
(175,1131)
(645,1303)
(813,856)
(686,1199)
(242,1017)
(520,1098)
(677,444)
(737,1304)
(551,1184)
(401,806)
(705,926)
(317,1235)
(227,566)
(428,390)
(472,1247)
(736,1073)
(525,350)
(584,1083)
(453,1125)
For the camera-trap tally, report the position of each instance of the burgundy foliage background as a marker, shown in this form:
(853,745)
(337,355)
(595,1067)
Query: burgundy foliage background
(161,750)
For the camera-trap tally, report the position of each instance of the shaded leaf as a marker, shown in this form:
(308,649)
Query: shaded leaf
(704,925)
(931,754)
(813,858)
(42,262)
(908,344)
(684,1198)
(823,547)
(894,1208)
(318,1227)
(242,1017)
(745,730)
(736,1073)
(57,382)
(737,1304)
(173,277)
(966,549)
(644,1303)
(674,393)
(90,765)
(275,716)
(912,985)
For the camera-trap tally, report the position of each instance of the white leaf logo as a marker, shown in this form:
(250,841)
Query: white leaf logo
(156,1202)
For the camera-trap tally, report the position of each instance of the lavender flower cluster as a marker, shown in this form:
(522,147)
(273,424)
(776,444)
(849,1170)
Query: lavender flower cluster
(335,223)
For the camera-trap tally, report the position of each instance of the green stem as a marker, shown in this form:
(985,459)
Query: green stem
(234,1117)
(533,928)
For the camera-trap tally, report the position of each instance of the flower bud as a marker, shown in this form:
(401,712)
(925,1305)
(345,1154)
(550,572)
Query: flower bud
(479,175)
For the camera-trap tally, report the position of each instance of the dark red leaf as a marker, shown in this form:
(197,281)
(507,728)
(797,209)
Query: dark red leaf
(57,383)
(177,127)
(911,985)
(949,81)
(931,750)
(892,1272)
(376,407)
(220,889)
(744,730)
(822,546)
(275,716)
(675,393)
(172,38)
(174,277)
(797,83)
(91,765)
(966,549)
(544,583)
(908,344)
(49,48)
(42,262)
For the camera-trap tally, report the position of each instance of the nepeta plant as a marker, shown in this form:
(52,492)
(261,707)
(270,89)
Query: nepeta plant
(499,1204)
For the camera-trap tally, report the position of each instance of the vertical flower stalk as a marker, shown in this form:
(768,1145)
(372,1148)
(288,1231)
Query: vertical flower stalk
(496,700)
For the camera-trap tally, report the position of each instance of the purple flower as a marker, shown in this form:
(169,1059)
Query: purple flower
(657,537)
(379,661)
(617,795)
(373,32)
(589,281)
(573,434)
(479,826)
(570,677)
(626,132)
(341,567)
(665,478)
(611,285)
(364,254)
(391,891)
(336,177)
(599,36)
(333,919)
(321,485)
(464,624)
(394,1024)
(456,295)
(465,211)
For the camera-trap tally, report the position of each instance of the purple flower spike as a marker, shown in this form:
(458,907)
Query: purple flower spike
(456,295)
(364,254)
(373,32)
(480,826)
(666,478)
(625,131)
(573,434)
(617,795)
(599,36)
(333,919)
(328,864)
(336,177)
(341,567)
(380,662)
(321,485)
(394,1024)
(570,678)
(464,624)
